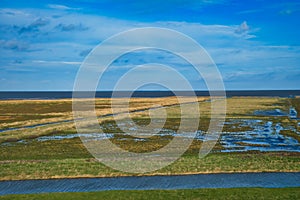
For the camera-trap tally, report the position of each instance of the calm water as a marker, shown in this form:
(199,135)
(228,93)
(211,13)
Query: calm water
(234,180)
(108,94)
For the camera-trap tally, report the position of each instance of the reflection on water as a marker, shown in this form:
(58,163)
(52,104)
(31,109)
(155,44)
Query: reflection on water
(94,136)
(276,112)
(263,137)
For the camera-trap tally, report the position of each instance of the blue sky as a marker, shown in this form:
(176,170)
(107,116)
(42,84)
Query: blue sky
(255,44)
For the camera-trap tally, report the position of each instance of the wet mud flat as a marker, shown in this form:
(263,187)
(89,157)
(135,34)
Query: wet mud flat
(259,135)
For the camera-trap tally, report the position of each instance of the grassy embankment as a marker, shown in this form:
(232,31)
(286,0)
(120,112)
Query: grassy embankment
(234,193)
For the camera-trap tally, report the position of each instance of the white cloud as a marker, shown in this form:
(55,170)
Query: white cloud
(12,12)
(14,45)
(227,44)
(57,62)
(61,7)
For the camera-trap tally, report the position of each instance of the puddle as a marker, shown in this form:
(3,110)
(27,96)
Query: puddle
(293,113)
(263,137)
(12,143)
(200,135)
(274,113)
(91,136)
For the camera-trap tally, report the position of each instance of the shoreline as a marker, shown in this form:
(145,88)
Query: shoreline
(102,171)
(155,175)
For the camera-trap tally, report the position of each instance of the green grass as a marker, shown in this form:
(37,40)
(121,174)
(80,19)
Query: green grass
(223,194)
(35,107)
(44,168)
(44,150)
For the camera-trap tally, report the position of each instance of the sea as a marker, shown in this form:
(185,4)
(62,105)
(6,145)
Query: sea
(143,94)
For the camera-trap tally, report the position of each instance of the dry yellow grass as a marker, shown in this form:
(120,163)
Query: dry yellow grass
(246,105)
(236,107)
(19,112)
